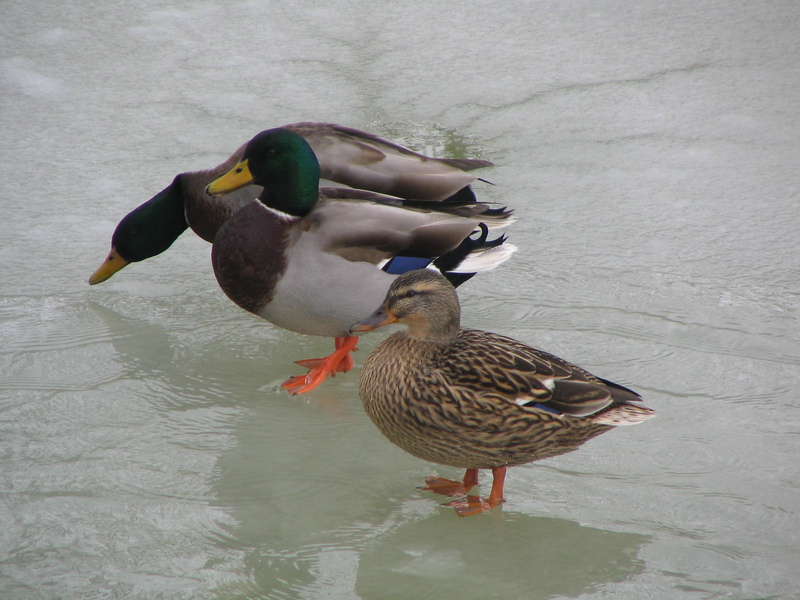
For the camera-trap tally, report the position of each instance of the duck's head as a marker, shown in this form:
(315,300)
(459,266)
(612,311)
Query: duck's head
(424,301)
(146,231)
(282,162)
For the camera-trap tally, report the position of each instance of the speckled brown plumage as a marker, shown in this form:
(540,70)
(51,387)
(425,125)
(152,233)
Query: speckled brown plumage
(475,399)
(455,405)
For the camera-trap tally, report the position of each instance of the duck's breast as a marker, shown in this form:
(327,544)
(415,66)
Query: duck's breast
(325,294)
(249,256)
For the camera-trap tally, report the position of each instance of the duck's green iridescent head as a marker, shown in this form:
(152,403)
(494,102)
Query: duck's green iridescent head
(146,231)
(283,163)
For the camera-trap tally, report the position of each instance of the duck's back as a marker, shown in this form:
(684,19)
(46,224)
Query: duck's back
(366,161)
(475,403)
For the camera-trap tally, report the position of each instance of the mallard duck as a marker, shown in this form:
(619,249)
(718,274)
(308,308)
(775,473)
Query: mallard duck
(314,261)
(475,399)
(347,156)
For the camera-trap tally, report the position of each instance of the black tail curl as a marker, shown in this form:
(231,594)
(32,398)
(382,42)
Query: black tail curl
(451,260)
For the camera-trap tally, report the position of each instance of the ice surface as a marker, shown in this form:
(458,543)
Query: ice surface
(650,152)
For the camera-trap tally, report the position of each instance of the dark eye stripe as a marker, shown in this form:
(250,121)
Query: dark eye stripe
(414,293)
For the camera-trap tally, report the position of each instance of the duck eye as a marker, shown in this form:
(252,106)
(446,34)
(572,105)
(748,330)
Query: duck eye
(411,293)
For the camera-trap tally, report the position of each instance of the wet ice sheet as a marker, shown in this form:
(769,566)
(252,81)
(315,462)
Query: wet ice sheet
(651,154)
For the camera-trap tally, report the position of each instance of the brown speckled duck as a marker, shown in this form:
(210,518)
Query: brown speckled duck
(347,156)
(475,399)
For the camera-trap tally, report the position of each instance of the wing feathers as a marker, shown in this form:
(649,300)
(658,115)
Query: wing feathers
(494,364)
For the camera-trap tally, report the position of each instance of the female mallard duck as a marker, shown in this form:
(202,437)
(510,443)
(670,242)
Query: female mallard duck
(310,261)
(474,399)
(347,156)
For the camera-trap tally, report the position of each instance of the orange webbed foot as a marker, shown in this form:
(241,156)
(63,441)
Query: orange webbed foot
(319,368)
(472,505)
(446,487)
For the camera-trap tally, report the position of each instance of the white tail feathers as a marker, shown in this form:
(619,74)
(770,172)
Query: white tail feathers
(497,222)
(485,259)
(624,414)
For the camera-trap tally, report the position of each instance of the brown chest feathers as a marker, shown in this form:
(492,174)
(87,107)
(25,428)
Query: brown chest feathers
(249,255)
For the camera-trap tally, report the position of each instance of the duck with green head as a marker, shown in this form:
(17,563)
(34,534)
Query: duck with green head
(475,399)
(312,261)
(347,157)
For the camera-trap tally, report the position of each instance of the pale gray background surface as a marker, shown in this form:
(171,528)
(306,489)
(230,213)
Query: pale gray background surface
(652,153)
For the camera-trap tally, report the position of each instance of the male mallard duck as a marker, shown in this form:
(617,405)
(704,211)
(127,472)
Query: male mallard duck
(474,399)
(310,260)
(347,156)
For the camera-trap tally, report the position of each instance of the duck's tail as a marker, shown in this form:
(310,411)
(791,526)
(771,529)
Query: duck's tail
(464,203)
(473,255)
(624,414)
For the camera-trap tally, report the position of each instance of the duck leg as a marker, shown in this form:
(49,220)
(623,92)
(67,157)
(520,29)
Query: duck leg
(319,368)
(472,505)
(448,487)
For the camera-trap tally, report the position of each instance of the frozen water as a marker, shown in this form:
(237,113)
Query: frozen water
(650,151)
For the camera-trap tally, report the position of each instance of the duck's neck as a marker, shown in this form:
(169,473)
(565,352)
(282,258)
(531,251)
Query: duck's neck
(433,333)
(437,324)
(206,214)
(151,228)
(418,354)
(278,218)
(297,191)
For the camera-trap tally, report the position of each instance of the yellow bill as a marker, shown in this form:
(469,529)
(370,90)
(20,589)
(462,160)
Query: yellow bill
(111,265)
(238,176)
